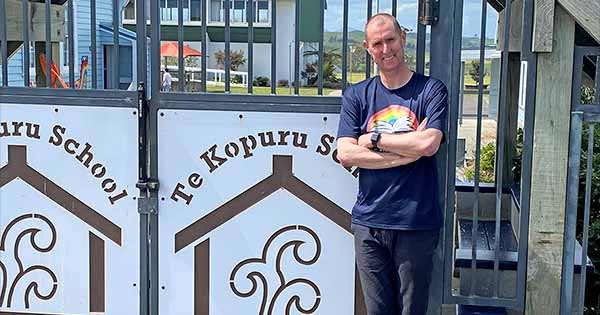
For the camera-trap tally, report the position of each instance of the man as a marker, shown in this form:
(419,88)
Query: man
(390,127)
(166,81)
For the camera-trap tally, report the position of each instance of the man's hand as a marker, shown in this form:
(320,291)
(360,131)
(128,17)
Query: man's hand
(422,125)
(365,141)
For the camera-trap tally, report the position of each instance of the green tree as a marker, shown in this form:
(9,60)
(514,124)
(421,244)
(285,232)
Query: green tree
(236,59)
(474,71)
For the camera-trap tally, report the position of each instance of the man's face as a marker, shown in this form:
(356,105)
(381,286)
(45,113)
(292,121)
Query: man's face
(385,45)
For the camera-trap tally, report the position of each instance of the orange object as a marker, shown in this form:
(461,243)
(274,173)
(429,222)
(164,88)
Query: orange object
(171,49)
(55,79)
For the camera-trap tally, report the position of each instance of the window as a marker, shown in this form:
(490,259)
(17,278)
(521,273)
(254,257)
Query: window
(129,13)
(196,10)
(238,12)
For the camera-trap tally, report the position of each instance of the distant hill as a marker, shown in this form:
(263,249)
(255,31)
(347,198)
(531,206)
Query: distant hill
(333,40)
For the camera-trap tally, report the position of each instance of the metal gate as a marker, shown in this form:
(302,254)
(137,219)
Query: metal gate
(585,115)
(441,20)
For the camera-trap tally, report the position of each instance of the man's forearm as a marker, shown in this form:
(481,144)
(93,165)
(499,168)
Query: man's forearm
(412,144)
(368,159)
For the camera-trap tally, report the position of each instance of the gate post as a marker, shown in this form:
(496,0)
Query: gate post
(147,203)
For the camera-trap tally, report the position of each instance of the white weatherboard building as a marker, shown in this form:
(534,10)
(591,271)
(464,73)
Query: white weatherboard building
(285,29)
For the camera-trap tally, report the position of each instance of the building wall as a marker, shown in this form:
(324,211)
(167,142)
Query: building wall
(15,69)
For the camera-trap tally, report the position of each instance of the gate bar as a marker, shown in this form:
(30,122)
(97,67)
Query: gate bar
(203,39)
(500,144)
(274,47)
(4,44)
(527,98)
(26,61)
(297,50)
(421,32)
(71,31)
(394,7)
(155,50)
(456,7)
(141,43)
(250,18)
(180,64)
(116,61)
(597,82)
(321,61)
(368,57)
(586,215)
(94,48)
(566,288)
(475,228)
(345,48)
(48,45)
(226,15)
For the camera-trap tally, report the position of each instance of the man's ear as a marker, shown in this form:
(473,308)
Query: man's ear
(366,46)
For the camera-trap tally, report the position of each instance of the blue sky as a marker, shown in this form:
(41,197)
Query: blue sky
(407,15)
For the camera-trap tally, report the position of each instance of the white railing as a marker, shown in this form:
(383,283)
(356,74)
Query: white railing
(213,76)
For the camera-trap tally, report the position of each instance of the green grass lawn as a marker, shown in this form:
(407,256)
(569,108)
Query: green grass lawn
(267,90)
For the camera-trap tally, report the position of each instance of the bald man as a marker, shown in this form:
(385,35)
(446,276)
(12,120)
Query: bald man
(391,127)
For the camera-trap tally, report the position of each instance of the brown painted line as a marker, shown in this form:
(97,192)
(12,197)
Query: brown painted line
(225,212)
(71,204)
(359,300)
(96,274)
(202,278)
(319,202)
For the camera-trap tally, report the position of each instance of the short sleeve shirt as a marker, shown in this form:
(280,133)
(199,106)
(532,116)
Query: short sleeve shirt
(404,197)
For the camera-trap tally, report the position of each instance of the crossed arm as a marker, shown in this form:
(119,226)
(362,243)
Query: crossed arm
(400,149)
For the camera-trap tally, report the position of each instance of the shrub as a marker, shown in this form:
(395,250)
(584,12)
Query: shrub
(237,79)
(486,170)
(261,81)
(283,83)
(236,59)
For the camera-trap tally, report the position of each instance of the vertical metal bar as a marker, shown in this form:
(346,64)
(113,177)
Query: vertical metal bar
(250,14)
(394,7)
(421,33)
(297,50)
(597,82)
(527,92)
(141,42)
(180,64)
(142,178)
(586,215)
(500,145)
(577,72)
(155,50)
(274,47)
(566,288)
(321,48)
(368,57)
(48,45)
(26,61)
(345,48)
(227,11)
(445,63)
(461,92)
(4,44)
(94,45)
(478,139)
(71,31)
(203,39)
(115,65)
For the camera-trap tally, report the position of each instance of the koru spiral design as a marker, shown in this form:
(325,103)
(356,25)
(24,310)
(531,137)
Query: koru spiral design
(7,292)
(286,290)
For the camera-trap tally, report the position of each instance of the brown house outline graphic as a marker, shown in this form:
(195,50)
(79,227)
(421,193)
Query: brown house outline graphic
(282,177)
(17,167)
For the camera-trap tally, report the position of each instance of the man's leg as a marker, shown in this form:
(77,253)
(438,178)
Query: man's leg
(376,269)
(413,256)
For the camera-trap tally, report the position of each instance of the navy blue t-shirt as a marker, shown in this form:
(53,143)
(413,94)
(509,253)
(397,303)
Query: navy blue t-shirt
(404,197)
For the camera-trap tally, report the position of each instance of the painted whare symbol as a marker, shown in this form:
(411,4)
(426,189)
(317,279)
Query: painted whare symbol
(254,270)
(33,285)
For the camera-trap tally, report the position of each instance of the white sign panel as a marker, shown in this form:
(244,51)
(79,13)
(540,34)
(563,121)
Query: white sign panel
(254,216)
(69,231)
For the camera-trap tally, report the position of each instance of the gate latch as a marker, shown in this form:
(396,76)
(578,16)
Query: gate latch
(429,12)
(148,199)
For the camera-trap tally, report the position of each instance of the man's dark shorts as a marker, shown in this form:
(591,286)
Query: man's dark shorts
(395,268)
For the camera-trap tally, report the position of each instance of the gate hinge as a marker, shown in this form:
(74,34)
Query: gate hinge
(429,12)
